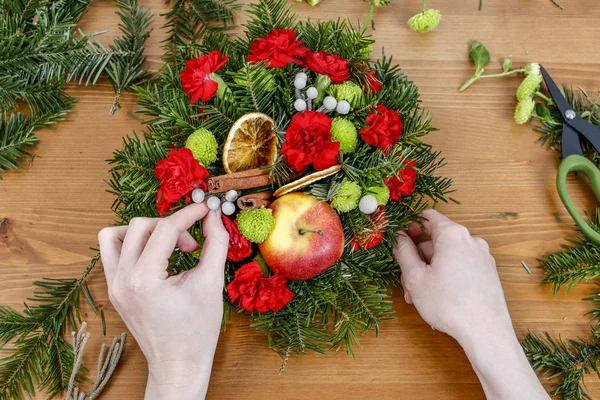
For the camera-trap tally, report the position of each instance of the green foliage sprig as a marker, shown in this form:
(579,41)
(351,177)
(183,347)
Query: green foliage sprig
(41,51)
(39,357)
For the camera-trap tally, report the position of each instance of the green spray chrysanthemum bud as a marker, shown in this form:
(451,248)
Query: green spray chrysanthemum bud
(528,87)
(344,131)
(348,91)
(365,52)
(241,78)
(524,111)
(322,83)
(256,225)
(222,88)
(313,2)
(203,145)
(533,69)
(347,196)
(425,21)
(380,192)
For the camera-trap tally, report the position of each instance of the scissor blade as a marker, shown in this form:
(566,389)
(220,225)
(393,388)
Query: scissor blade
(570,142)
(557,96)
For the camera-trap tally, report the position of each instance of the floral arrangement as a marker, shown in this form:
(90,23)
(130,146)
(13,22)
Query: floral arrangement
(313,153)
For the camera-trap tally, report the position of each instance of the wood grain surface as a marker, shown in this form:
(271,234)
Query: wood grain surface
(56,207)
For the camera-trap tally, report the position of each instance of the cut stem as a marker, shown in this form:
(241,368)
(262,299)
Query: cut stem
(544,97)
(424,5)
(368,20)
(480,76)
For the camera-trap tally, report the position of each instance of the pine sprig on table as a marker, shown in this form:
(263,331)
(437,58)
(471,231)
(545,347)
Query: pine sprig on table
(39,356)
(569,361)
(41,50)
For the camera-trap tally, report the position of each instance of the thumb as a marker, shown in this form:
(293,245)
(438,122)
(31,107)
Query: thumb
(211,267)
(407,254)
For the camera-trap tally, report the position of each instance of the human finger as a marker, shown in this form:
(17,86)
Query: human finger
(407,254)
(138,234)
(426,251)
(433,222)
(165,235)
(407,297)
(110,241)
(214,251)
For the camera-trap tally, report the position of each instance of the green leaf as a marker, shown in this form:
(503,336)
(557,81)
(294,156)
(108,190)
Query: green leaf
(542,111)
(506,66)
(479,54)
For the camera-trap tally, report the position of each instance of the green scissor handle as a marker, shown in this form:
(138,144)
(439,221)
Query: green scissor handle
(580,164)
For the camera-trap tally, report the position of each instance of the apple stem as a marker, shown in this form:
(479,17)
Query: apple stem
(303,231)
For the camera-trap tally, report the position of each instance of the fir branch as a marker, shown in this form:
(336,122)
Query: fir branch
(578,261)
(126,69)
(39,355)
(567,362)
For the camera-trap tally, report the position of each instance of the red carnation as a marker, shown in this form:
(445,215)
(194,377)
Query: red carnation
(252,291)
(163,206)
(403,183)
(179,174)
(333,66)
(384,128)
(308,141)
(373,84)
(239,246)
(372,235)
(196,77)
(279,48)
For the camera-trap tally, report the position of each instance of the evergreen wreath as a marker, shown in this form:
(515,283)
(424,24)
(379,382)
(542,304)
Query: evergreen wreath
(327,128)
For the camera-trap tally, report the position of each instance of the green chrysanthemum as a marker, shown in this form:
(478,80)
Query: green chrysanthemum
(256,225)
(348,91)
(344,131)
(241,78)
(528,87)
(425,21)
(347,196)
(203,145)
(533,69)
(365,52)
(524,111)
(381,193)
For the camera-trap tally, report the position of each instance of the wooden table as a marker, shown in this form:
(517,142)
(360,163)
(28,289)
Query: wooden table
(56,207)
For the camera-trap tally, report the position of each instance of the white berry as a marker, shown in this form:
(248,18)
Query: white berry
(228,208)
(301,76)
(299,83)
(300,105)
(329,103)
(213,203)
(312,92)
(231,195)
(368,204)
(343,107)
(198,195)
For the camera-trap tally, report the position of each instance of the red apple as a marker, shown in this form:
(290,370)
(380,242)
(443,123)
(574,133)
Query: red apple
(307,239)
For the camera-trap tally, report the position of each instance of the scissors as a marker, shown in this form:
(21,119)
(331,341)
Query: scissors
(573,158)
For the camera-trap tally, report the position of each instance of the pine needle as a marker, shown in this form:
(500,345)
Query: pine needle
(557,218)
(526,267)
(558,4)
(503,215)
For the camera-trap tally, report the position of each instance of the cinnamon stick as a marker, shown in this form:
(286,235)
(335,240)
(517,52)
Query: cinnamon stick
(255,200)
(249,179)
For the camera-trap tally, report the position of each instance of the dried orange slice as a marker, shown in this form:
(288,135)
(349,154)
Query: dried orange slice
(306,180)
(251,143)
